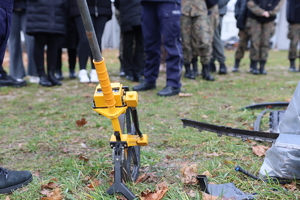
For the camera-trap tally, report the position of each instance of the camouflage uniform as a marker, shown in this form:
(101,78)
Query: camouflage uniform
(294,36)
(261,30)
(244,38)
(196,38)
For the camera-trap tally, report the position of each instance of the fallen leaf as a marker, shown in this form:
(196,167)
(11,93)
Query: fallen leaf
(145,177)
(259,150)
(51,184)
(207,173)
(81,122)
(291,187)
(189,173)
(82,157)
(206,196)
(185,94)
(7,198)
(55,195)
(93,184)
(160,191)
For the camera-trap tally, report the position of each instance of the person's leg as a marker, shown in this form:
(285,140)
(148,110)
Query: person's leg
(218,48)
(169,15)
(99,24)
(83,51)
(29,44)
(242,46)
(294,38)
(128,54)
(255,51)
(186,32)
(58,66)
(52,49)
(16,67)
(138,58)
(72,56)
(152,42)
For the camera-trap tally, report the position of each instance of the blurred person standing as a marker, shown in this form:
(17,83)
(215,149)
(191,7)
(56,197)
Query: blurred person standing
(132,37)
(101,12)
(6,7)
(260,22)
(195,31)
(46,21)
(293,18)
(70,42)
(217,44)
(9,180)
(161,25)
(240,13)
(16,65)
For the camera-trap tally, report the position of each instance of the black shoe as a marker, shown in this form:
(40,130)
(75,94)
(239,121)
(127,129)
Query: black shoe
(144,86)
(223,69)
(122,73)
(44,81)
(72,75)
(53,79)
(212,67)
(129,78)
(59,76)
(168,91)
(9,81)
(12,180)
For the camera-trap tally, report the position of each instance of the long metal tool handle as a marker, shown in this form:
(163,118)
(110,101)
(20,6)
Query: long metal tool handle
(90,32)
(98,59)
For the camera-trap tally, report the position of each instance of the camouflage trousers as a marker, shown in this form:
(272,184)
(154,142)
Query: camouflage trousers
(261,34)
(294,36)
(243,42)
(196,39)
(214,21)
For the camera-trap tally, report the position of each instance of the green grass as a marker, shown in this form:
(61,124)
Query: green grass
(38,132)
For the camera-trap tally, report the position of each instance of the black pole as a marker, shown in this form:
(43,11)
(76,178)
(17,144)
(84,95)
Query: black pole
(89,29)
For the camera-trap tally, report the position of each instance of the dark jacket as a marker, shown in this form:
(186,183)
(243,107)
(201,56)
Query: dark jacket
(171,1)
(240,13)
(293,11)
(267,5)
(46,16)
(7,4)
(130,13)
(96,7)
(19,5)
(222,7)
(211,3)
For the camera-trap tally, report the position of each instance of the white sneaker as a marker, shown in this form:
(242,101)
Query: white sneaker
(34,79)
(83,77)
(94,76)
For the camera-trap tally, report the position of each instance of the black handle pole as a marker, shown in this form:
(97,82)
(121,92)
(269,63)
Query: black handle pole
(89,29)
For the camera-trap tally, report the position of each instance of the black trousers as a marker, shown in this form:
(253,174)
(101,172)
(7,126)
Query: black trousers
(52,41)
(84,51)
(133,52)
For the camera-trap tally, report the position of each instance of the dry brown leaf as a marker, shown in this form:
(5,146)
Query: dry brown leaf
(82,157)
(93,184)
(160,191)
(206,196)
(55,195)
(207,173)
(185,94)
(81,122)
(291,187)
(145,177)
(7,198)
(212,154)
(259,150)
(51,184)
(189,173)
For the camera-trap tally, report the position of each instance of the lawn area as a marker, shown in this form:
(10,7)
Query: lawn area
(39,133)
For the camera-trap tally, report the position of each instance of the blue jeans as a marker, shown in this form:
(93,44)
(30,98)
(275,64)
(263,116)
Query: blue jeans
(5,19)
(161,25)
